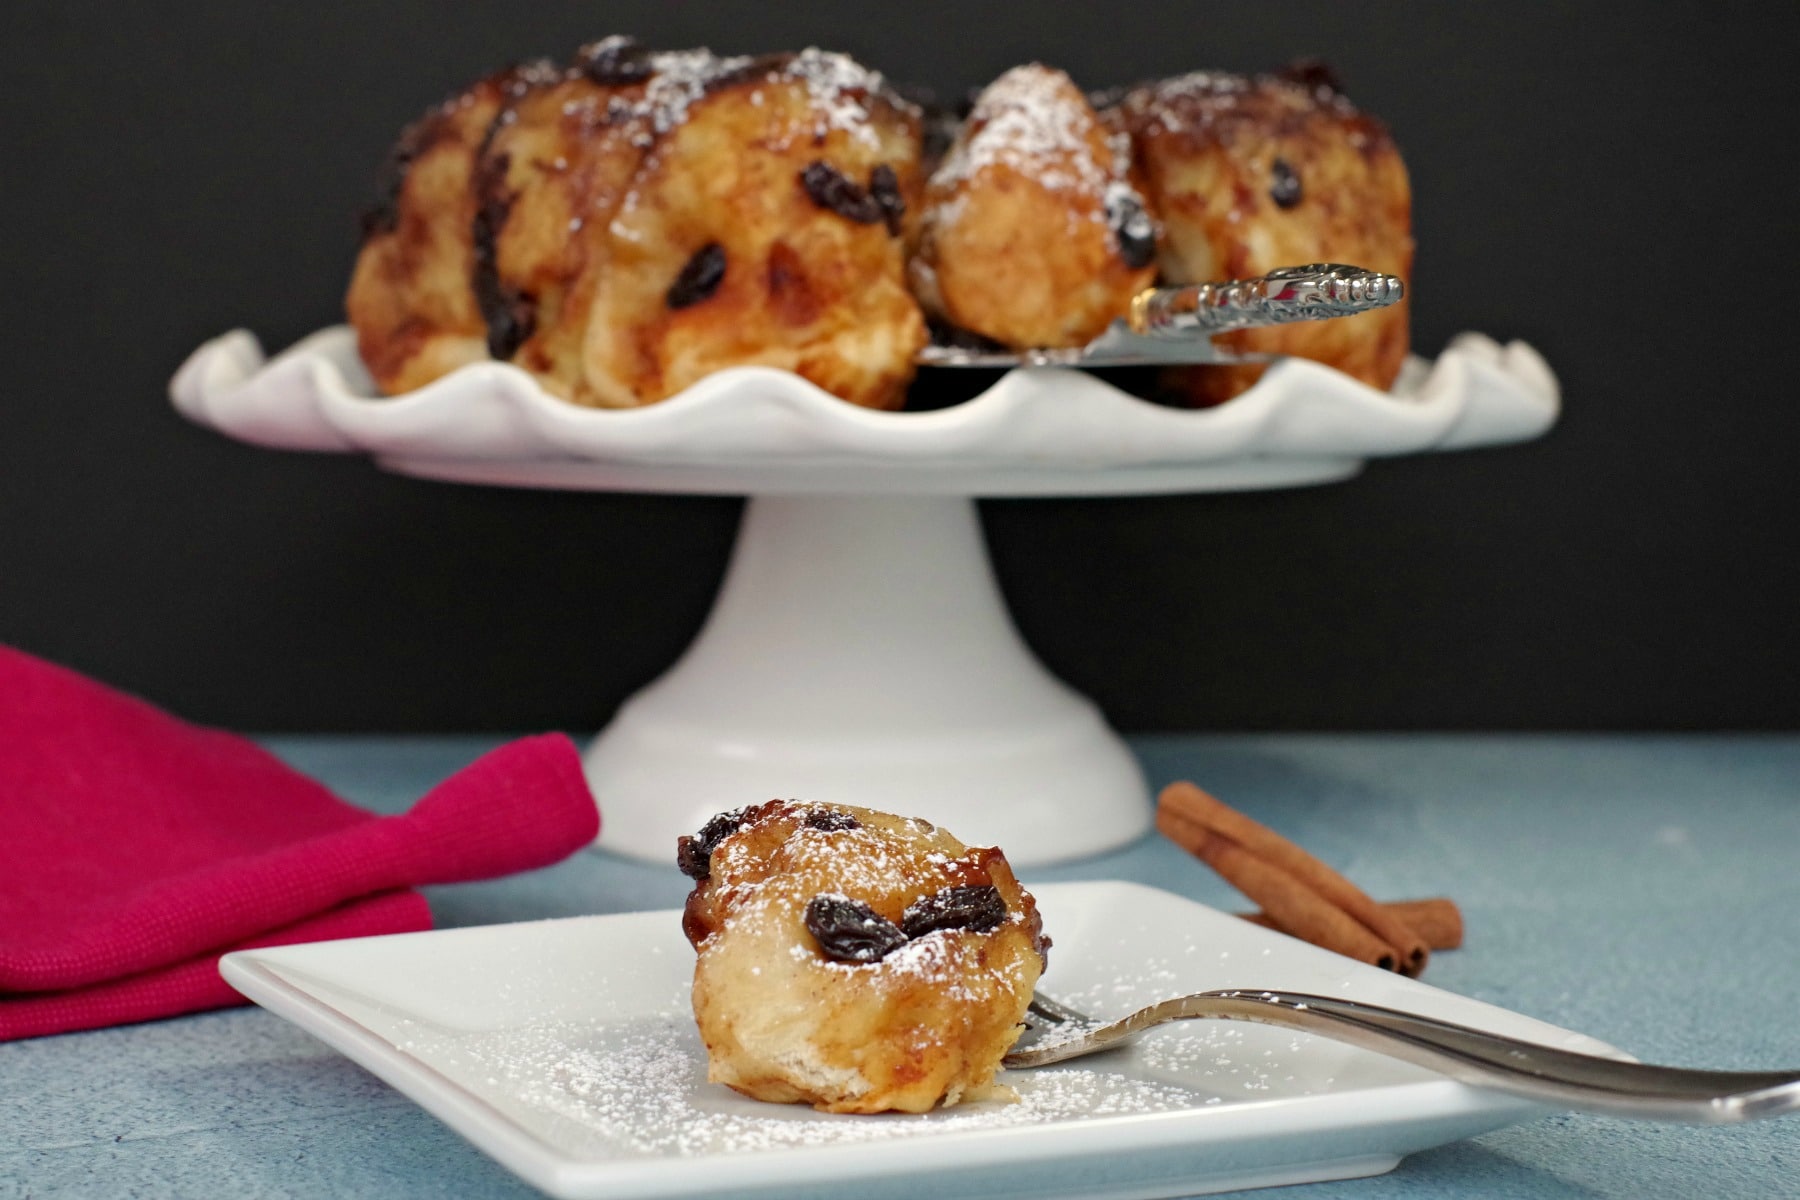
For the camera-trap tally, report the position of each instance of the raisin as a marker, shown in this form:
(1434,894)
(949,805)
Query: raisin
(1132,228)
(511,314)
(616,62)
(978,908)
(850,931)
(699,279)
(1284,189)
(884,187)
(511,320)
(720,828)
(830,190)
(694,862)
(831,820)
(693,853)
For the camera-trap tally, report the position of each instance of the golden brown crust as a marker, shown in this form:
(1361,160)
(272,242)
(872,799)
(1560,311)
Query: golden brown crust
(410,300)
(800,285)
(552,210)
(558,160)
(1251,174)
(926,1023)
(1033,232)
(628,224)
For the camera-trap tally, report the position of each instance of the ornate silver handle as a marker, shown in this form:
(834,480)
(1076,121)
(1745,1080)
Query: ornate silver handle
(1176,324)
(1310,293)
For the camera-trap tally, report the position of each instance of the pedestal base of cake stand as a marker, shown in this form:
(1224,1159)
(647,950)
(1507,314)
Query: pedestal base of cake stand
(859,653)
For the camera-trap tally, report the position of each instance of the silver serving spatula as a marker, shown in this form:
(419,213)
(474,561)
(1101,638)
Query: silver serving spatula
(1173,325)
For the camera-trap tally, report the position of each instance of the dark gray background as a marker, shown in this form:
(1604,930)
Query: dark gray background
(1615,185)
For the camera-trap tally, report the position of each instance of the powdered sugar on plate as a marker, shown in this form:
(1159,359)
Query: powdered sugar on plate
(567,1050)
(639,1089)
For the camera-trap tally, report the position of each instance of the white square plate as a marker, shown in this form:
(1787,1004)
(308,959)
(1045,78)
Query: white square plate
(567,1051)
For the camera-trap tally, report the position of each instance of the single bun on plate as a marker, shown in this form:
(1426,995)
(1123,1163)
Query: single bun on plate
(855,961)
(639,220)
(1248,174)
(1034,233)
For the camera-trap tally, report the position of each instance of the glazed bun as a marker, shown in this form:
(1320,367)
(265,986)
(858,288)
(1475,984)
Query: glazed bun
(1034,231)
(628,224)
(853,960)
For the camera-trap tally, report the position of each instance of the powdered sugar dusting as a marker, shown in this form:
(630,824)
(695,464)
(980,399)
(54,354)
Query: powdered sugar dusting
(1125,211)
(1033,120)
(1192,102)
(1208,83)
(1160,103)
(839,89)
(679,78)
(863,861)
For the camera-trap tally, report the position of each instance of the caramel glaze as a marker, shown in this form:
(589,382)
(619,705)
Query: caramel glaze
(410,299)
(612,72)
(813,985)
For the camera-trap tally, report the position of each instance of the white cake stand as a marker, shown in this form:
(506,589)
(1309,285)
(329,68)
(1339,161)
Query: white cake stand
(859,651)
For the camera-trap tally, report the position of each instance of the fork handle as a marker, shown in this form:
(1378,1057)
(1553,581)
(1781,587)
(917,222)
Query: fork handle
(1534,1072)
(1310,293)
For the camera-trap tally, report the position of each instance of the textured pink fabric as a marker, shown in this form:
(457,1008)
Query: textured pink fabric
(195,985)
(135,848)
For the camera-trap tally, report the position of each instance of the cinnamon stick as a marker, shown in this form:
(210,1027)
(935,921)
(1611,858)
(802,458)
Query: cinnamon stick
(1436,919)
(1295,908)
(1197,807)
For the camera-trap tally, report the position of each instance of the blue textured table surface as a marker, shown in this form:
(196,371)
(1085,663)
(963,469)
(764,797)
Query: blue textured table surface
(1645,890)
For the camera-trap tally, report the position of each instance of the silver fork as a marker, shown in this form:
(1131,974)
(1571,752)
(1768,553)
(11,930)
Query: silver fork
(1055,1032)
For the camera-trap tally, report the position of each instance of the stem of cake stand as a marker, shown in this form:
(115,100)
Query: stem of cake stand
(859,653)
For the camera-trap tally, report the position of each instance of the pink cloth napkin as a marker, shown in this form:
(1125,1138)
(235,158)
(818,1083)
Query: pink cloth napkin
(135,849)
